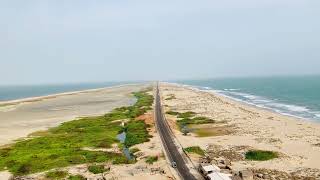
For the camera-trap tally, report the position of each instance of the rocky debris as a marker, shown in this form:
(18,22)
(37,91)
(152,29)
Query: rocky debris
(246,174)
(222,163)
(205,160)
(231,154)
(303,174)
(317,144)
(274,141)
(157,171)
(139,155)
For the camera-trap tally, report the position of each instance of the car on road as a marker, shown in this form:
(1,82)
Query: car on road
(174,164)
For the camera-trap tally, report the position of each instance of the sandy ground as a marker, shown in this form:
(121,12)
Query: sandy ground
(243,127)
(21,117)
(26,116)
(159,170)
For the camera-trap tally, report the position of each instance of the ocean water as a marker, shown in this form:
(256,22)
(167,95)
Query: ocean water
(26,91)
(293,96)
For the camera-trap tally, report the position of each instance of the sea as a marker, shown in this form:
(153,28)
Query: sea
(297,96)
(13,92)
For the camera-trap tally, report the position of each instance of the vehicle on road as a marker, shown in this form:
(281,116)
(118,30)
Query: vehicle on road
(174,164)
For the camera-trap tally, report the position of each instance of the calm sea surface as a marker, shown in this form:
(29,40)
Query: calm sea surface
(18,92)
(294,96)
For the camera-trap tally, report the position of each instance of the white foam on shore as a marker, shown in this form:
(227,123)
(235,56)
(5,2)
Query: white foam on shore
(232,89)
(274,105)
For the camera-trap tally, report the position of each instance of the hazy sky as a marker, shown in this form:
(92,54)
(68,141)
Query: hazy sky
(59,41)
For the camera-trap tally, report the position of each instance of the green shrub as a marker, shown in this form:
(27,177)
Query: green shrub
(136,133)
(97,169)
(134,150)
(188,114)
(56,174)
(259,155)
(77,177)
(151,159)
(121,160)
(172,113)
(195,149)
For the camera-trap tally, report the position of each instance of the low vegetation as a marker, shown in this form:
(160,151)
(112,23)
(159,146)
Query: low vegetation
(211,131)
(171,97)
(196,120)
(97,169)
(134,150)
(56,175)
(136,133)
(64,145)
(188,118)
(76,177)
(195,150)
(259,155)
(151,159)
(172,113)
(188,114)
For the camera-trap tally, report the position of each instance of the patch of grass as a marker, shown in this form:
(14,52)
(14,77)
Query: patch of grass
(259,155)
(56,174)
(187,118)
(193,121)
(194,149)
(122,160)
(39,133)
(173,113)
(151,159)
(76,177)
(188,114)
(63,145)
(171,97)
(134,150)
(97,169)
(136,133)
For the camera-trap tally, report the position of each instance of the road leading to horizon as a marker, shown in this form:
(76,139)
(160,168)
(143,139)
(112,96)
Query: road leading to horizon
(168,142)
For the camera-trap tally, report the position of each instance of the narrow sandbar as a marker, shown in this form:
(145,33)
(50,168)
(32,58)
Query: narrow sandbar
(19,118)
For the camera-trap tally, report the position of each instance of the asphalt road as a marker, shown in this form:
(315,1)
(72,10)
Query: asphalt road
(168,142)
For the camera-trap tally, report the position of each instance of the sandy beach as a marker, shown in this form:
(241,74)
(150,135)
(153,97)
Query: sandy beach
(240,127)
(92,103)
(18,118)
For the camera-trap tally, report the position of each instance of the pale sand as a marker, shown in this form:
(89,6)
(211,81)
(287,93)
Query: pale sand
(253,128)
(19,118)
(159,170)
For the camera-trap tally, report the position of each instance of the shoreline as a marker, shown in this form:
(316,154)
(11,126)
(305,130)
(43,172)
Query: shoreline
(39,98)
(25,116)
(239,127)
(245,103)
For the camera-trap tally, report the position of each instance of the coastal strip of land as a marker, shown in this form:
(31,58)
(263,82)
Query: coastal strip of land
(241,136)
(121,143)
(18,118)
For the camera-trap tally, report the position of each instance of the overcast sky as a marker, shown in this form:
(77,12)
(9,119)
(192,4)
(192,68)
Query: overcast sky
(57,41)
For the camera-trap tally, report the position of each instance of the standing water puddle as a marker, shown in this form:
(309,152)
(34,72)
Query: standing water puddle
(122,137)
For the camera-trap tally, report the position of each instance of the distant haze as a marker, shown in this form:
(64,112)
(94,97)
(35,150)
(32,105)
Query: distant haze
(57,41)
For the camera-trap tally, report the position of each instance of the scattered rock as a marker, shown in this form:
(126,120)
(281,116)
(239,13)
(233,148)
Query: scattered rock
(260,175)
(266,176)
(246,174)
